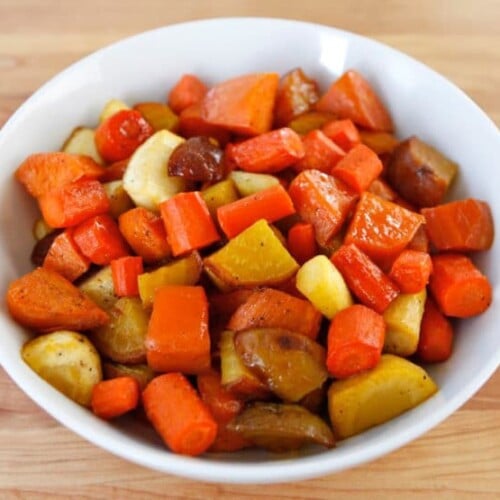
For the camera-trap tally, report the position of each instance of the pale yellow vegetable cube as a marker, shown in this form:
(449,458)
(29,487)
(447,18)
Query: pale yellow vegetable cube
(403,318)
(146,179)
(82,142)
(218,195)
(248,183)
(119,200)
(320,281)
(112,107)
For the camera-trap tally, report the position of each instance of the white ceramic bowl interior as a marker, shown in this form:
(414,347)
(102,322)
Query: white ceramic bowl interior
(144,67)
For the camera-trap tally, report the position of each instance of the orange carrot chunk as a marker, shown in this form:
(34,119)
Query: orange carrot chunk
(224,406)
(221,402)
(355,341)
(177,338)
(44,172)
(192,124)
(125,272)
(320,153)
(364,278)
(411,271)
(45,301)
(343,133)
(359,168)
(269,308)
(243,105)
(269,152)
(145,233)
(188,222)
(460,226)
(460,289)
(187,91)
(323,201)
(100,240)
(115,397)
(179,415)
(271,204)
(436,335)
(381,228)
(301,242)
(118,136)
(73,203)
(65,258)
(297,93)
(419,242)
(352,97)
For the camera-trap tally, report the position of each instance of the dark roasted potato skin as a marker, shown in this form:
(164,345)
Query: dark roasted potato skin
(281,427)
(291,364)
(197,159)
(42,247)
(420,173)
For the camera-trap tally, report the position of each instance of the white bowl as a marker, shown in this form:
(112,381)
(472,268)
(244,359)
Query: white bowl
(144,67)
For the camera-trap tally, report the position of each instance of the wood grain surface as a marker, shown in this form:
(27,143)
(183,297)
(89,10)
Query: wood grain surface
(460,458)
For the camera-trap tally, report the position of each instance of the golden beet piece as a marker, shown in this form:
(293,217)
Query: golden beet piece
(362,401)
(420,173)
(255,257)
(291,364)
(282,427)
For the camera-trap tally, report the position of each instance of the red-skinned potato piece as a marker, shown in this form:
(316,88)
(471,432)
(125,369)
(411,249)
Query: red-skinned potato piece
(297,93)
(243,105)
(323,201)
(269,152)
(380,228)
(460,226)
(352,97)
(121,134)
(364,278)
(320,153)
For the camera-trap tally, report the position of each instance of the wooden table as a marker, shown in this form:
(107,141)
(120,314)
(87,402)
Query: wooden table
(41,459)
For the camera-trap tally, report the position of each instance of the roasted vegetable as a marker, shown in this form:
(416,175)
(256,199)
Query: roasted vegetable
(119,200)
(99,288)
(319,280)
(282,427)
(82,142)
(146,179)
(67,361)
(158,115)
(394,386)
(234,374)
(185,271)
(248,183)
(112,107)
(219,194)
(142,373)
(291,364)
(254,257)
(122,339)
(420,173)
(197,159)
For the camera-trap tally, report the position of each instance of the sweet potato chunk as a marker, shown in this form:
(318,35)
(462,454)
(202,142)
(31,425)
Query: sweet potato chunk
(420,173)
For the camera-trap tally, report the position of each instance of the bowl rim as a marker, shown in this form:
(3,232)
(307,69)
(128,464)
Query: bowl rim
(281,470)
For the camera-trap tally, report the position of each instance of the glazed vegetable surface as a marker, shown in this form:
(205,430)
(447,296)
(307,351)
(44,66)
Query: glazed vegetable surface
(256,263)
